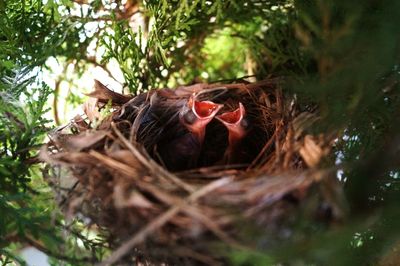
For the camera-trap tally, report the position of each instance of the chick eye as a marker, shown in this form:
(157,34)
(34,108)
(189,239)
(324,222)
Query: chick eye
(244,123)
(189,117)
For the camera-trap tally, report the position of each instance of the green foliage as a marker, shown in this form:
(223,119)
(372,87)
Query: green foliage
(30,32)
(126,47)
(244,258)
(185,40)
(22,128)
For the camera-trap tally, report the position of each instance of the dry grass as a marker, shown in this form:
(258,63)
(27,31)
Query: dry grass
(115,179)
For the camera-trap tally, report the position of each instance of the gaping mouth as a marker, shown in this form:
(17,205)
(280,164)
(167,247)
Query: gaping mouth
(205,109)
(230,117)
(233,117)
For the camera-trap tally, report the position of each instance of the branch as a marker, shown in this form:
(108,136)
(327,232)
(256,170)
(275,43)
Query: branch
(92,60)
(56,255)
(55,103)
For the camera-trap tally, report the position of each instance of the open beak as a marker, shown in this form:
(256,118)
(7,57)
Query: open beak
(235,123)
(200,113)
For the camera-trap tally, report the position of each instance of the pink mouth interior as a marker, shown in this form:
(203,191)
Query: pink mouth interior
(231,117)
(204,109)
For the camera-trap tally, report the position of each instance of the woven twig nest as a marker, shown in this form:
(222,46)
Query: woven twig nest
(118,179)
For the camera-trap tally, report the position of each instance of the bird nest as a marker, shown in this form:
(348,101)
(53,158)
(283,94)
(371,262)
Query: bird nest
(123,167)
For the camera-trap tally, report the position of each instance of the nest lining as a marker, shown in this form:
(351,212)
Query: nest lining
(150,211)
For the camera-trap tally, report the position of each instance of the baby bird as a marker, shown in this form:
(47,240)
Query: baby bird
(195,116)
(237,125)
(182,143)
